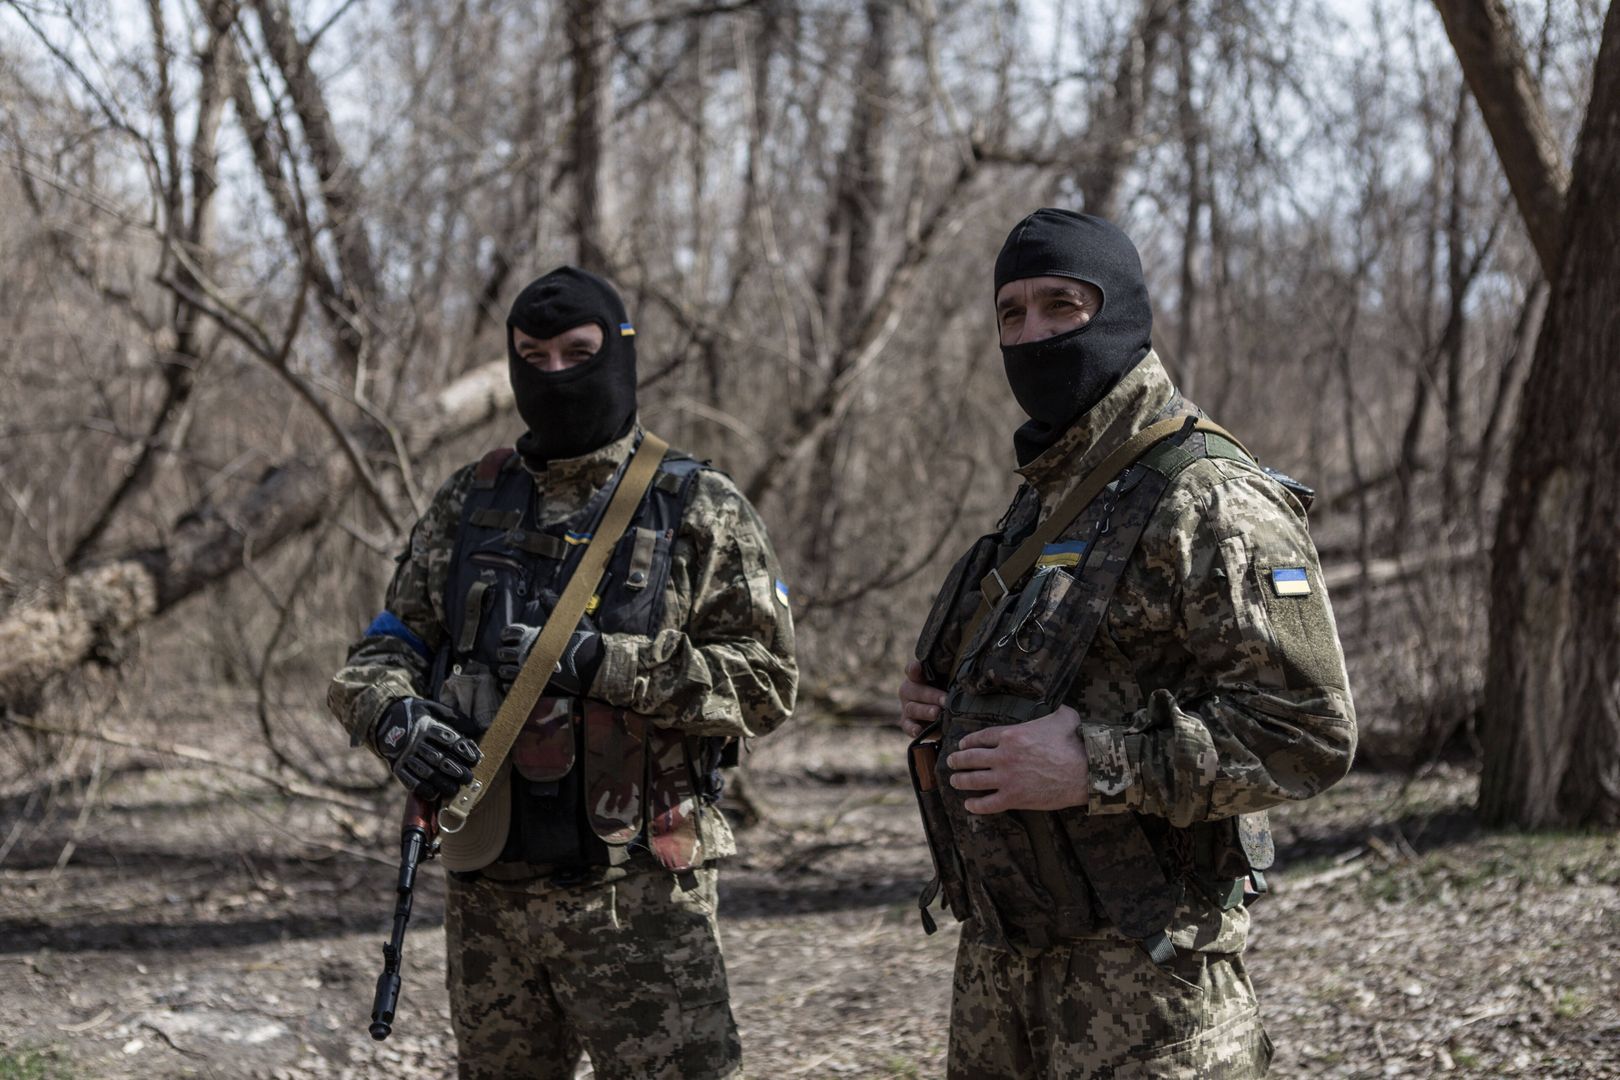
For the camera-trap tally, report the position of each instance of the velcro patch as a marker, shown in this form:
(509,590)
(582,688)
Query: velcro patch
(1290,581)
(1062,553)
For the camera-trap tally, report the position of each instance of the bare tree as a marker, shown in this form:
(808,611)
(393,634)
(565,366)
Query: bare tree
(1552,716)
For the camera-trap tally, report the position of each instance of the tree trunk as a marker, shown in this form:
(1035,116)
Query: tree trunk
(1487,46)
(860,202)
(1114,133)
(587,49)
(1191,130)
(1551,728)
(340,182)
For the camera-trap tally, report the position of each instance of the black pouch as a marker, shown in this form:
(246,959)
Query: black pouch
(1019,649)
(1030,884)
(1230,857)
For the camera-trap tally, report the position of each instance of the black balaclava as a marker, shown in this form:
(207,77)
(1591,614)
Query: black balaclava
(1058,379)
(587,406)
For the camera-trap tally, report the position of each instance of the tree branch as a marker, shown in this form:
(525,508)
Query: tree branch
(1487,46)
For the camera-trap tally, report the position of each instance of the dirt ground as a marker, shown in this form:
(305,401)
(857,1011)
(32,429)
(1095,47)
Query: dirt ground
(169,920)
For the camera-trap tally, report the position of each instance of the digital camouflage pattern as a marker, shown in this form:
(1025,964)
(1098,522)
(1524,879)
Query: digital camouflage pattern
(624,962)
(629,971)
(1206,693)
(720,664)
(1102,1010)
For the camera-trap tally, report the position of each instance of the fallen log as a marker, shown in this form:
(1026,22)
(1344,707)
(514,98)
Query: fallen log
(94,610)
(91,614)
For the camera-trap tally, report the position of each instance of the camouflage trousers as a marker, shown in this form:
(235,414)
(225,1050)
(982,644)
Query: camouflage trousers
(628,971)
(1102,1009)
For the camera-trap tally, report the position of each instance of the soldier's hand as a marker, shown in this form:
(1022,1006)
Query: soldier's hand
(919,702)
(424,747)
(1037,765)
(575,669)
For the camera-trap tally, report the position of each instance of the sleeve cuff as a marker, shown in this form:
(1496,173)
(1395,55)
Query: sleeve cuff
(1112,773)
(618,681)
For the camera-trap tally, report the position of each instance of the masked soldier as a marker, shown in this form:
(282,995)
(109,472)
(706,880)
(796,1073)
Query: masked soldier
(581,911)
(1111,689)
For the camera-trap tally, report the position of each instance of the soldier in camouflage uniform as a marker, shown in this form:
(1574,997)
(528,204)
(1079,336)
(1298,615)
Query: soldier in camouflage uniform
(1097,751)
(583,917)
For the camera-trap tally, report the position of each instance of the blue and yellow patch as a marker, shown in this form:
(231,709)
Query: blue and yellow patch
(576,538)
(1062,553)
(781,592)
(626,330)
(1290,581)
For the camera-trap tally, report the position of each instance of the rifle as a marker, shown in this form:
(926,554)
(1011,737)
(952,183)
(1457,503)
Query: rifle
(416,842)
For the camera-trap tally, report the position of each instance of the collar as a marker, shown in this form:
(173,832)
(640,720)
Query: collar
(1129,407)
(575,479)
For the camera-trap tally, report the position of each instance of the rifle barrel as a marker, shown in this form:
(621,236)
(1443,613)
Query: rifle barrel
(413,844)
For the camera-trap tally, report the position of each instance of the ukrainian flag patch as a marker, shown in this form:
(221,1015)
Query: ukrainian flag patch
(626,330)
(1062,553)
(781,592)
(1290,581)
(576,538)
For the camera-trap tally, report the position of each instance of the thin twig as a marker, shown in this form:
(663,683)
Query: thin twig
(201,757)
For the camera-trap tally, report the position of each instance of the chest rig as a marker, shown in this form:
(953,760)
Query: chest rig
(1034,879)
(590,783)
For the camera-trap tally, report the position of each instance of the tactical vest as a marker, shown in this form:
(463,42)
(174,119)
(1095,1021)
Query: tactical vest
(1032,878)
(590,783)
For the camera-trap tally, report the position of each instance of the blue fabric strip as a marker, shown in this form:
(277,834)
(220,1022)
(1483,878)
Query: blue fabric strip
(387,624)
(1288,573)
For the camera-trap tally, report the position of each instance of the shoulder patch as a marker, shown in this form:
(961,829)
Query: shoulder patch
(1290,581)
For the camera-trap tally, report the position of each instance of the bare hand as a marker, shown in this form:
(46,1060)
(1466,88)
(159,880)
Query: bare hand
(919,702)
(1037,765)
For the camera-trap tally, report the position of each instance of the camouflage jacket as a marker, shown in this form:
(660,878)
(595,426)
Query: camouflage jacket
(1228,726)
(1205,692)
(721,664)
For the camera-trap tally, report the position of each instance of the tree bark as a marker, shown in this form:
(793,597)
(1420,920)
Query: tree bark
(1115,130)
(97,610)
(1551,729)
(340,182)
(186,356)
(587,44)
(1487,46)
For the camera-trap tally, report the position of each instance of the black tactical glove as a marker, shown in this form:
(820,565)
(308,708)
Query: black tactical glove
(575,669)
(426,748)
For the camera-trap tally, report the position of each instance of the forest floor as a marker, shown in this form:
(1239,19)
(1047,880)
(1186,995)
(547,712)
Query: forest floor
(175,921)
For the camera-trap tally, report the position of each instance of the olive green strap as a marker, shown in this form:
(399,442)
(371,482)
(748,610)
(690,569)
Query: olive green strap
(554,635)
(999,581)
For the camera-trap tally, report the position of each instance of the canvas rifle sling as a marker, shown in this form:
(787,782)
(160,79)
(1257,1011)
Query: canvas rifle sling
(999,581)
(554,635)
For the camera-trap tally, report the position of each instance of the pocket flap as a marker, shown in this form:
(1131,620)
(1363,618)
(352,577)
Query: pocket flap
(544,750)
(615,768)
